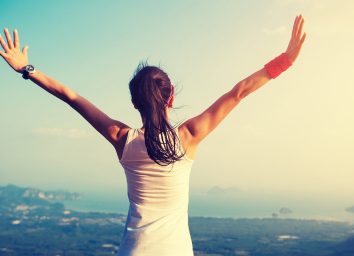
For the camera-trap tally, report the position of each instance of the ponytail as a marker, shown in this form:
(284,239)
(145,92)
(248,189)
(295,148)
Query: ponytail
(151,89)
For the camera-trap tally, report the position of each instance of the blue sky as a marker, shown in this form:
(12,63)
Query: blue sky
(292,137)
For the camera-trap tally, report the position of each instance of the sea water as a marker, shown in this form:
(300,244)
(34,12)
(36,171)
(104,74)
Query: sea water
(226,206)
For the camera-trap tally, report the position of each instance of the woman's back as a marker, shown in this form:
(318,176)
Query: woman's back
(157,221)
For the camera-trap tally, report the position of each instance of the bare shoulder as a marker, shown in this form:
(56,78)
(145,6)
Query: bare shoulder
(120,139)
(188,144)
(117,130)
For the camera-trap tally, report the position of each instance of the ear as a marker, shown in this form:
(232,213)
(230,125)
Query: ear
(170,103)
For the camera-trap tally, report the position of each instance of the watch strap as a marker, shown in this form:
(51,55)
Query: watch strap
(28,69)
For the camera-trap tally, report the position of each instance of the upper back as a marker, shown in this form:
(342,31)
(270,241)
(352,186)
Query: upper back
(150,183)
(182,133)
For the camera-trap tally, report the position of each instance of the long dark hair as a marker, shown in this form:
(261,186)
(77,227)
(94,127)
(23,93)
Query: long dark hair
(150,90)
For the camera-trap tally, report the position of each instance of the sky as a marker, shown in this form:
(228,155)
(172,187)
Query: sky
(293,137)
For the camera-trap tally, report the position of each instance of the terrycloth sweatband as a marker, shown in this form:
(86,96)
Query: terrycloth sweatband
(278,65)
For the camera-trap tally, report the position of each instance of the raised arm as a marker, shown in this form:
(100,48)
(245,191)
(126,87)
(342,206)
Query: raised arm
(198,127)
(18,59)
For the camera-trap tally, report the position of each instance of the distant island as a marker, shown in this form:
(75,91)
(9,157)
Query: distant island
(13,192)
(350,209)
(284,211)
(34,222)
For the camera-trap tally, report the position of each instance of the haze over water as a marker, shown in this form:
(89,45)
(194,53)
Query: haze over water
(236,205)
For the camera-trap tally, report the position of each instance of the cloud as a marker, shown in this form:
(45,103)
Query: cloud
(216,190)
(278,30)
(71,133)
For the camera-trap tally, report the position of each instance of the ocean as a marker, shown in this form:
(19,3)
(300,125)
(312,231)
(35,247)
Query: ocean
(227,206)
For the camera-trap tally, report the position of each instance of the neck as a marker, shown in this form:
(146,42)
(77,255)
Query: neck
(167,111)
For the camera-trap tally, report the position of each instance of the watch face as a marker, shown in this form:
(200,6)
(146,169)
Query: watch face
(29,68)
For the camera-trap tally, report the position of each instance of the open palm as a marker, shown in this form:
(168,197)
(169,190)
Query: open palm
(16,58)
(296,40)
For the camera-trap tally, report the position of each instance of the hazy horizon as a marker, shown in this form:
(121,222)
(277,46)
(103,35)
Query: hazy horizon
(292,138)
(234,204)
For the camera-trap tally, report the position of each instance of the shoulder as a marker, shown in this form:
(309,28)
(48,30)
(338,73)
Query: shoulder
(187,141)
(183,132)
(186,135)
(118,130)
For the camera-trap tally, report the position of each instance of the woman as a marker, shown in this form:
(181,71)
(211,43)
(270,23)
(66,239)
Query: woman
(157,158)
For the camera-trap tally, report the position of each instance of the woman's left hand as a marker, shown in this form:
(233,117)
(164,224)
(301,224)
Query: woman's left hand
(16,58)
(297,39)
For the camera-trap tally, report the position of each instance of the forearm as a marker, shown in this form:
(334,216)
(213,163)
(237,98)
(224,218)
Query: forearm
(52,86)
(250,84)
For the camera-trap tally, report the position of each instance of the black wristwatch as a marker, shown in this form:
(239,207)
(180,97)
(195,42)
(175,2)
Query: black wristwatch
(28,69)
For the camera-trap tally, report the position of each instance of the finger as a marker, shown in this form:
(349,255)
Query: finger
(8,38)
(16,39)
(298,35)
(3,44)
(303,38)
(294,27)
(3,54)
(25,50)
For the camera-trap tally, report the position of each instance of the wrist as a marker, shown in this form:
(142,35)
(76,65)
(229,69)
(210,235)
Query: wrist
(27,71)
(278,65)
(20,68)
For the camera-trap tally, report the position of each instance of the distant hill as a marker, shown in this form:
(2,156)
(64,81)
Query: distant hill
(34,222)
(285,211)
(13,192)
(350,209)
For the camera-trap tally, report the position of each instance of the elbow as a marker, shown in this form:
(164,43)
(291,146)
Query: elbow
(239,92)
(69,96)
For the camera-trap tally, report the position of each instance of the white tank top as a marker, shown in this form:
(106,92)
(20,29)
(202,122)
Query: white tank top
(157,220)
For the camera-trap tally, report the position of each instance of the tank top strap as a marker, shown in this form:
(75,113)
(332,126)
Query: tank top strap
(131,135)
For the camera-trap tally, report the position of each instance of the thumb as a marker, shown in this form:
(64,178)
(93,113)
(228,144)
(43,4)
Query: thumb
(25,50)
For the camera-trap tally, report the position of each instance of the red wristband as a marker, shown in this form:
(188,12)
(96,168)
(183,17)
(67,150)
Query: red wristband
(278,65)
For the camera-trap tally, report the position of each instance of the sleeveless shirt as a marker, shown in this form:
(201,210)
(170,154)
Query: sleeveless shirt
(157,220)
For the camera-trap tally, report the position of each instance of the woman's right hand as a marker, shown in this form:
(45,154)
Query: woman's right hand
(297,39)
(16,58)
